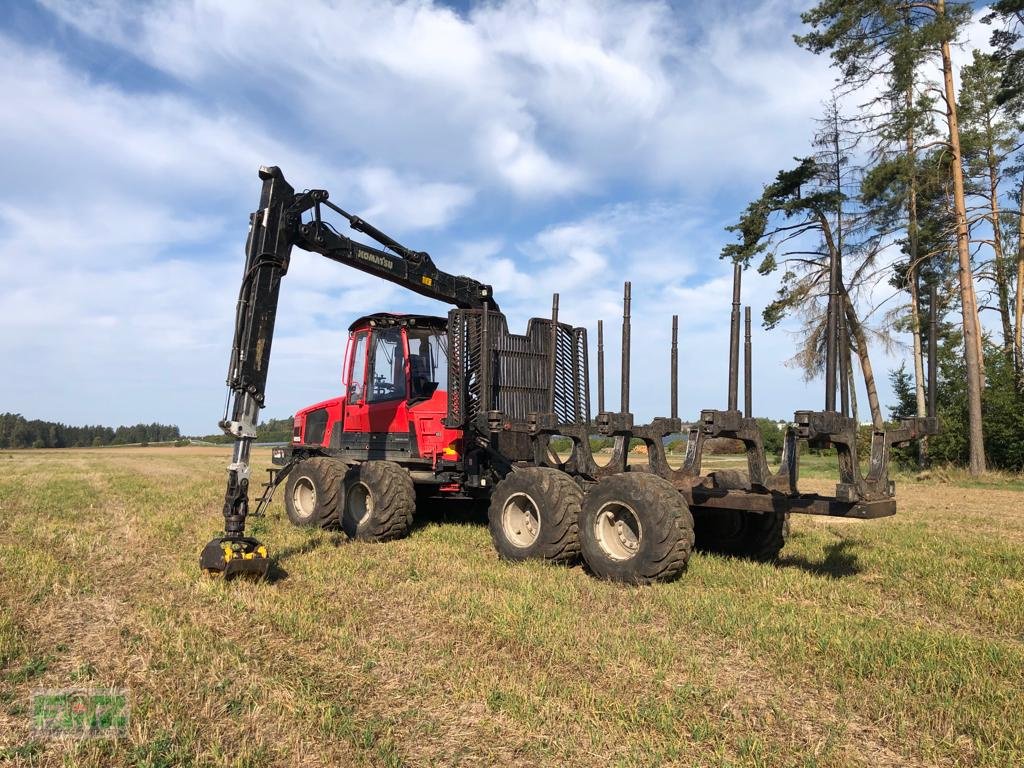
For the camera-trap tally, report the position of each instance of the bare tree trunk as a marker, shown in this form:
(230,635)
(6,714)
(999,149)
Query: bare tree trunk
(848,362)
(1002,287)
(914,271)
(1019,303)
(915,330)
(857,331)
(968,300)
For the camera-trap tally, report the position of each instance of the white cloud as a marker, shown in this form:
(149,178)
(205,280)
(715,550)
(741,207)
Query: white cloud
(121,236)
(545,98)
(409,203)
(122,226)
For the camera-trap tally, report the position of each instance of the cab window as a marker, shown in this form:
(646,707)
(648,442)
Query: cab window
(388,365)
(357,373)
(428,362)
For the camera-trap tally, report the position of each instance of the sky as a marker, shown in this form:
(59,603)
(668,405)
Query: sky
(538,146)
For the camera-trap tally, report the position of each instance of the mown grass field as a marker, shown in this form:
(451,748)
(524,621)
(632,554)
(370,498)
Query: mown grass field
(897,642)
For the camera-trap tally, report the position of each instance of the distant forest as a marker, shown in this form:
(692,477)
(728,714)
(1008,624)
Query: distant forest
(18,432)
(270,431)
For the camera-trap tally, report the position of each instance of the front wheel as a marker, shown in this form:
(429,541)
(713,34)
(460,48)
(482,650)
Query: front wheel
(380,500)
(635,528)
(312,493)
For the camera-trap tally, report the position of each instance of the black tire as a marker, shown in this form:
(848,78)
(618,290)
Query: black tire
(534,514)
(635,528)
(379,501)
(312,492)
(756,536)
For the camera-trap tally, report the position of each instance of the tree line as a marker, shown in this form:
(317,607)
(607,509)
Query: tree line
(18,432)
(270,431)
(916,188)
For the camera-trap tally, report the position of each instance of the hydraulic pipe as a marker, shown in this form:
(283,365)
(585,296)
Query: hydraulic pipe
(675,366)
(600,366)
(933,335)
(747,356)
(626,301)
(361,225)
(553,359)
(734,338)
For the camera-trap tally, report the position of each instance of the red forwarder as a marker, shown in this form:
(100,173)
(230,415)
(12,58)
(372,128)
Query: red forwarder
(459,407)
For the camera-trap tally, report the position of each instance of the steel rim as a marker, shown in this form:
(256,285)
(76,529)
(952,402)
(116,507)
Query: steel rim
(359,502)
(520,520)
(304,497)
(618,531)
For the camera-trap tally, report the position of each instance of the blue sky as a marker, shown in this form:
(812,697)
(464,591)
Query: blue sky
(538,146)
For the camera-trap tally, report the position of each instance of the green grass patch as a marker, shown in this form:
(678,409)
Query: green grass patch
(890,642)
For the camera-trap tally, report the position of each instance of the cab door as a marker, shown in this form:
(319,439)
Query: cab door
(355,387)
(378,390)
(387,382)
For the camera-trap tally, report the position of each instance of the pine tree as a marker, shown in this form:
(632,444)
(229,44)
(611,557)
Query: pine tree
(801,221)
(989,132)
(878,42)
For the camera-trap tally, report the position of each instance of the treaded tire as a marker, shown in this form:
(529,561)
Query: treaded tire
(544,505)
(379,501)
(756,536)
(657,549)
(312,492)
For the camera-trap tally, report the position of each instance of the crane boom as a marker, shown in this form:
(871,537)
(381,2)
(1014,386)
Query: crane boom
(286,219)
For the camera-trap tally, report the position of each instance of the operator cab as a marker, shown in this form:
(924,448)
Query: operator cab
(394,398)
(396,357)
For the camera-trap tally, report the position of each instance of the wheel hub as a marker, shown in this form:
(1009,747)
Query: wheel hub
(618,531)
(520,520)
(304,497)
(359,502)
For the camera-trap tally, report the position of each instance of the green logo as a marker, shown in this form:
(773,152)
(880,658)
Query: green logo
(80,711)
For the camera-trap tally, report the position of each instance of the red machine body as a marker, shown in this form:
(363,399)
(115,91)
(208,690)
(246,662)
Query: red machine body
(395,400)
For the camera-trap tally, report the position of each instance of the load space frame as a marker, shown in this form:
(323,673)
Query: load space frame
(494,373)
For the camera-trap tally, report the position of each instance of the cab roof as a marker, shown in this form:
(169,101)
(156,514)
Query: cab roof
(390,319)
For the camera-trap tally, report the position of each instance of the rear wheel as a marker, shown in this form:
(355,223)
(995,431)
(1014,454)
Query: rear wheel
(753,535)
(312,493)
(379,501)
(635,528)
(534,514)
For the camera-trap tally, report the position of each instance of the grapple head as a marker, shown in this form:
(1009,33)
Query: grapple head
(231,558)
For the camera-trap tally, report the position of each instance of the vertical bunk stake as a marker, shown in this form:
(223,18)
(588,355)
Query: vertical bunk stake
(600,366)
(626,301)
(734,338)
(675,366)
(553,359)
(583,369)
(831,331)
(844,356)
(748,394)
